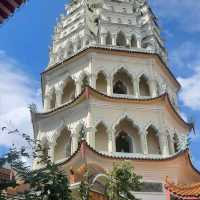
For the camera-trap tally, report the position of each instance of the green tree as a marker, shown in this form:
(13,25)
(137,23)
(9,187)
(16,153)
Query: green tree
(47,183)
(122,181)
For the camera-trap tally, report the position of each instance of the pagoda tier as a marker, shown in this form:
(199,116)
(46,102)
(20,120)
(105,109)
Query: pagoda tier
(150,134)
(8,7)
(122,24)
(179,167)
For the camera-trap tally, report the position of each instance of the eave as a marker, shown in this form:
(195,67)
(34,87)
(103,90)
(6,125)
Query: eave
(115,50)
(185,192)
(8,7)
(90,92)
(85,147)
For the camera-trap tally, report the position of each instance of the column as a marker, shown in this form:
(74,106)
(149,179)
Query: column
(51,150)
(109,86)
(59,87)
(78,87)
(163,145)
(114,39)
(153,88)
(103,39)
(47,102)
(136,87)
(139,43)
(128,42)
(93,78)
(111,142)
(74,144)
(90,131)
(143,138)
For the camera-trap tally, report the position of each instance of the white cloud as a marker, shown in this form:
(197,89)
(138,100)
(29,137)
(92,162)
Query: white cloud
(190,94)
(183,13)
(17,91)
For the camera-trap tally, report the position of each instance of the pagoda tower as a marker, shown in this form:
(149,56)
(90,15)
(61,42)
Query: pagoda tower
(108,75)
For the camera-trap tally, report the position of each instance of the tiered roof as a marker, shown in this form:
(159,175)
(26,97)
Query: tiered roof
(185,192)
(8,7)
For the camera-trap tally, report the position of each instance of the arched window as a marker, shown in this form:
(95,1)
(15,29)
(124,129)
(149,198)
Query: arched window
(63,145)
(121,39)
(108,39)
(176,143)
(147,43)
(153,141)
(127,137)
(79,44)
(53,100)
(101,83)
(123,143)
(70,49)
(85,82)
(119,88)
(133,41)
(144,86)
(101,138)
(122,82)
(69,91)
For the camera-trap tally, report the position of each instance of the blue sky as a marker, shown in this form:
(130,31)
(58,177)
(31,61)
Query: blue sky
(24,41)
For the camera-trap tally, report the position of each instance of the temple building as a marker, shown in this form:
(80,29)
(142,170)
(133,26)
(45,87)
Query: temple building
(108,72)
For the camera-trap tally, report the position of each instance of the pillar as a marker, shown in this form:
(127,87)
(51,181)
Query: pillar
(93,79)
(163,145)
(153,88)
(128,42)
(52,146)
(47,102)
(136,87)
(114,39)
(74,144)
(103,39)
(110,86)
(59,87)
(144,145)
(111,142)
(78,87)
(139,43)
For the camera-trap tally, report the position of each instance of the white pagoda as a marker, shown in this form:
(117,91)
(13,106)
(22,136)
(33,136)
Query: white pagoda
(108,72)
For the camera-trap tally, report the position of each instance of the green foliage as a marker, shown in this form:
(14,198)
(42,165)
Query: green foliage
(122,181)
(85,187)
(48,183)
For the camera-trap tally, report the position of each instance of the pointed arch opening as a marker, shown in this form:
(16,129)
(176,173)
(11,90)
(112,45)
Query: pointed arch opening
(63,145)
(69,91)
(153,141)
(121,39)
(101,138)
(133,41)
(108,39)
(70,49)
(85,82)
(101,83)
(144,86)
(122,83)
(79,44)
(127,139)
(147,43)
(53,100)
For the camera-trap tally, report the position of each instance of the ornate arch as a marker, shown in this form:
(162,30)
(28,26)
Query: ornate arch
(121,118)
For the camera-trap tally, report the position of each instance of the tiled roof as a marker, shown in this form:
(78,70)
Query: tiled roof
(183,191)
(84,145)
(8,7)
(88,91)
